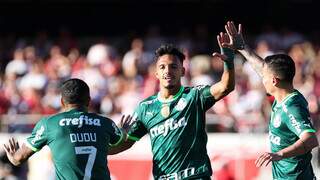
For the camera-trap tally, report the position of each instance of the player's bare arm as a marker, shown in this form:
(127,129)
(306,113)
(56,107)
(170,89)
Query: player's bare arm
(227,82)
(306,143)
(16,154)
(237,43)
(125,124)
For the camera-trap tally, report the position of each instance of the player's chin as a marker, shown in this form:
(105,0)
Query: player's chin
(169,86)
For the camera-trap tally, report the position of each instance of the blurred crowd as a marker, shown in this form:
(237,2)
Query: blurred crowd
(120,73)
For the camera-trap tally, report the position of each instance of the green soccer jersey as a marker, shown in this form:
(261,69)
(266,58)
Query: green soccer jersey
(289,119)
(78,141)
(177,132)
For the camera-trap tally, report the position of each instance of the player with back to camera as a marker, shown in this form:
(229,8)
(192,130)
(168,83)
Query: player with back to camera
(78,140)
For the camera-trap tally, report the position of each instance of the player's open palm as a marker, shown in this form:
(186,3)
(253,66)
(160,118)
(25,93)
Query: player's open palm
(266,158)
(236,37)
(223,41)
(126,122)
(11,148)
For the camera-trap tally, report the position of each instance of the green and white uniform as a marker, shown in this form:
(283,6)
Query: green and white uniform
(177,132)
(78,142)
(289,119)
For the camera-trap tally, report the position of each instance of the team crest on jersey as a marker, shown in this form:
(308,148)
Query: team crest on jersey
(165,110)
(277,122)
(182,103)
(38,135)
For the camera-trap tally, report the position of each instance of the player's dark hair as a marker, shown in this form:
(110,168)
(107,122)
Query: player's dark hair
(282,65)
(170,50)
(75,91)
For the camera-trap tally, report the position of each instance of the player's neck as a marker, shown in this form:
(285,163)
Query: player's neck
(166,93)
(281,94)
(69,107)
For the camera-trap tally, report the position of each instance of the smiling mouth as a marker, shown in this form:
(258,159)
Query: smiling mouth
(168,78)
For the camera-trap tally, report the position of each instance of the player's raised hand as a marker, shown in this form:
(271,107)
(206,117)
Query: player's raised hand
(126,122)
(223,41)
(11,148)
(266,158)
(236,37)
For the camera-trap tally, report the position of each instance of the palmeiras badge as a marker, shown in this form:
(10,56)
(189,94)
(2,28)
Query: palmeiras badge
(182,103)
(165,110)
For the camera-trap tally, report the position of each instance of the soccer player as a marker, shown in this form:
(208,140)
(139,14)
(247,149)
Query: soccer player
(291,134)
(175,117)
(78,140)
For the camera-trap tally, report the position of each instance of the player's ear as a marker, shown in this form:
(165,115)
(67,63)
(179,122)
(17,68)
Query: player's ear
(156,73)
(89,101)
(183,71)
(62,103)
(275,81)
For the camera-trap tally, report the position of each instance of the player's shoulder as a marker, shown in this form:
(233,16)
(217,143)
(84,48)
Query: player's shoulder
(98,116)
(149,100)
(197,88)
(295,102)
(194,90)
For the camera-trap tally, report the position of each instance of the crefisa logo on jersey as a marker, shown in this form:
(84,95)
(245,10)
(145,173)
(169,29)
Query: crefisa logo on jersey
(277,121)
(182,103)
(168,125)
(79,121)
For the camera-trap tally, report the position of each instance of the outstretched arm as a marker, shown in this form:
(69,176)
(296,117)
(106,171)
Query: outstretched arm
(125,124)
(227,82)
(17,154)
(127,144)
(306,143)
(238,43)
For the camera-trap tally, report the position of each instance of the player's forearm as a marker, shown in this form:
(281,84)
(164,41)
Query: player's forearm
(255,61)
(122,147)
(227,82)
(302,146)
(228,79)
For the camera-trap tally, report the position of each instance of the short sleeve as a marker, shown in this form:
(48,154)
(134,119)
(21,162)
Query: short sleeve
(137,130)
(206,98)
(116,135)
(39,136)
(299,120)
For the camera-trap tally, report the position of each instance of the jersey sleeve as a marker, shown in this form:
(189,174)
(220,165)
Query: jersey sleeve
(206,98)
(39,136)
(137,130)
(116,135)
(299,120)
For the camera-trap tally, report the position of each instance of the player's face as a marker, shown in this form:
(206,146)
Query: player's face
(268,79)
(169,71)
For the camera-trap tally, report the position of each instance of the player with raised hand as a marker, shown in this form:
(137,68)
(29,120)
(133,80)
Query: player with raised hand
(291,134)
(78,140)
(175,117)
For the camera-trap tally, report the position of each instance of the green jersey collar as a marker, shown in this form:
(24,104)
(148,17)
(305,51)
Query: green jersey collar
(174,97)
(82,109)
(289,96)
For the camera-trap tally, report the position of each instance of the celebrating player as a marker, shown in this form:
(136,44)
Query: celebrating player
(291,134)
(175,117)
(78,140)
